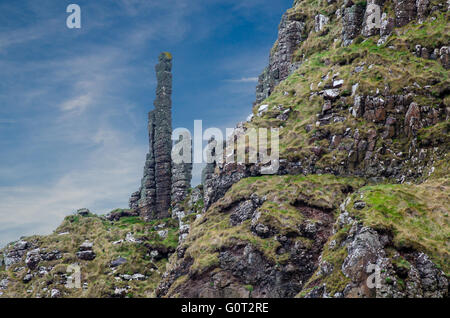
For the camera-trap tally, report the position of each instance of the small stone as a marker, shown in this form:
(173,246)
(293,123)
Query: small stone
(117,262)
(262,230)
(359,69)
(55,293)
(262,109)
(86,246)
(126,277)
(83,212)
(21,245)
(4,283)
(327,106)
(86,255)
(331,94)
(359,205)
(338,83)
(120,292)
(130,238)
(163,234)
(27,278)
(355,88)
(138,277)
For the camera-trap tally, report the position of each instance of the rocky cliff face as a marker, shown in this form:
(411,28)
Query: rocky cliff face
(353,99)
(290,34)
(361,110)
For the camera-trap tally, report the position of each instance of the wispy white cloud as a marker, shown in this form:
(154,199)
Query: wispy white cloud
(244,80)
(77,104)
(7,121)
(101,182)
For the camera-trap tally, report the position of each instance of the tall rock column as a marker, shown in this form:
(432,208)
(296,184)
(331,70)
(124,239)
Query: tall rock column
(163,135)
(152,201)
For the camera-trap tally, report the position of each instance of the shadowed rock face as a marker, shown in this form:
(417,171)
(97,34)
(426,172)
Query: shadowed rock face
(153,199)
(406,10)
(147,194)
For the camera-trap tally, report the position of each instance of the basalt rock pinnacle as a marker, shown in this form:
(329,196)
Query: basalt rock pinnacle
(153,199)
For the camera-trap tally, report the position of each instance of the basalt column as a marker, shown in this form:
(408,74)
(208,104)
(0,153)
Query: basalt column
(147,199)
(163,135)
(181,175)
(152,201)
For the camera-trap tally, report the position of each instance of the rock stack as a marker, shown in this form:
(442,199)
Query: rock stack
(153,199)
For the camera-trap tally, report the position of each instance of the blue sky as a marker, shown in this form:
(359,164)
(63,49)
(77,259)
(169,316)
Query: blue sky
(74,103)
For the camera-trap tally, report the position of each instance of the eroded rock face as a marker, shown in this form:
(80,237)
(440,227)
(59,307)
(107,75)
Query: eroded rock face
(320,22)
(15,253)
(371,268)
(352,20)
(405,12)
(147,195)
(371,16)
(422,9)
(291,33)
(412,119)
(33,258)
(242,265)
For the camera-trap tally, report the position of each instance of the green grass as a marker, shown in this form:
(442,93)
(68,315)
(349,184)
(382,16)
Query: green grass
(414,214)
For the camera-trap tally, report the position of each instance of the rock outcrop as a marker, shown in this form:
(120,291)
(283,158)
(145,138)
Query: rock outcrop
(290,34)
(352,20)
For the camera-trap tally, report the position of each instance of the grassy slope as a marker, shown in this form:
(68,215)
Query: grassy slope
(213,231)
(97,273)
